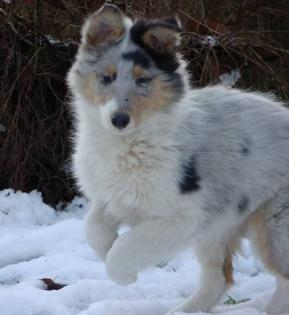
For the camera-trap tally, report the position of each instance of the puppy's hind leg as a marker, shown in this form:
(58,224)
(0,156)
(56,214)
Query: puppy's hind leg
(269,233)
(215,259)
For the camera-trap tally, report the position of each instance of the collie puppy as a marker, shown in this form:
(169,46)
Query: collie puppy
(182,167)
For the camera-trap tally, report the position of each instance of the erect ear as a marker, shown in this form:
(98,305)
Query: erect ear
(163,37)
(104,26)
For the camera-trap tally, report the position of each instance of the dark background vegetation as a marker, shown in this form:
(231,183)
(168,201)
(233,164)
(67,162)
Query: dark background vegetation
(38,43)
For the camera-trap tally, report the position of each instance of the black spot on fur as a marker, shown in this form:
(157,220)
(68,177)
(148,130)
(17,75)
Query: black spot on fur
(190,179)
(243,204)
(165,61)
(277,215)
(245,150)
(245,147)
(138,57)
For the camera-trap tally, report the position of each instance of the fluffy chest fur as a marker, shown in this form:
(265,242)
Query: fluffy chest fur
(131,177)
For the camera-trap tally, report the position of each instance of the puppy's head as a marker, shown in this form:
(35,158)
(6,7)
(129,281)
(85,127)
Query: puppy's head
(128,70)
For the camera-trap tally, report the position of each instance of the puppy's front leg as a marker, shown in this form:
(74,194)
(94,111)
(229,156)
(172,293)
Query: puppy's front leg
(147,244)
(101,231)
(216,276)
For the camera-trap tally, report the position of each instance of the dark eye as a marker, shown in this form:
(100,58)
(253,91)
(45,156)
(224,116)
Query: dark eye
(107,79)
(142,81)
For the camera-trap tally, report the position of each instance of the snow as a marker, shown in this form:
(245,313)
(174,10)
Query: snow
(209,41)
(55,41)
(230,79)
(38,242)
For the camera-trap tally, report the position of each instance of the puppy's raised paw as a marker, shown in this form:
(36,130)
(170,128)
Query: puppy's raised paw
(120,276)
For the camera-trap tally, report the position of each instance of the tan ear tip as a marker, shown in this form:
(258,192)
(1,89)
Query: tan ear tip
(103,26)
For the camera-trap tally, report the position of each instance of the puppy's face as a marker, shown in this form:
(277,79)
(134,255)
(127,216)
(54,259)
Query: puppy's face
(127,70)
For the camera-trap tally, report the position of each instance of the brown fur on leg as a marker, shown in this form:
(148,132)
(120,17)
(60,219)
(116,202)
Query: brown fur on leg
(228,269)
(233,245)
(260,234)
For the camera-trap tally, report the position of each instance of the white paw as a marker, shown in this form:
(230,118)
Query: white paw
(119,274)
(120,277)
(191,306)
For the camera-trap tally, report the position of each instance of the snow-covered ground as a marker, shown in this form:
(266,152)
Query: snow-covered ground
(37,242)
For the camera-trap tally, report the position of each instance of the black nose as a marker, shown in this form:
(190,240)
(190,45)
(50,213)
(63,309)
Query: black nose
(120,120)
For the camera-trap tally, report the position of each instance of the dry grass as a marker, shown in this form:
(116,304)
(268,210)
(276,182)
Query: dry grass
(39,40)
